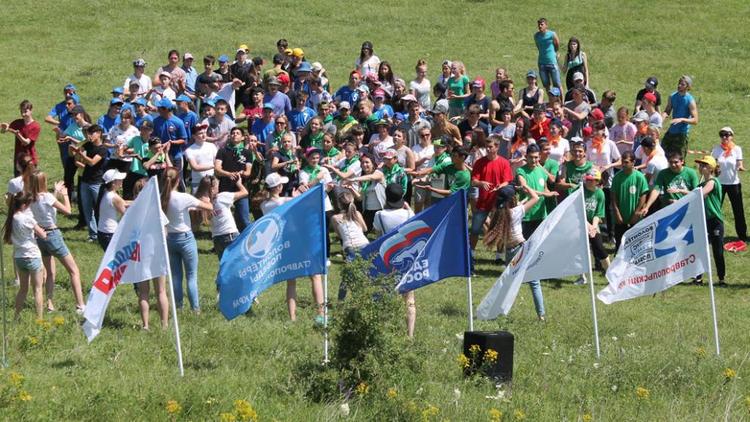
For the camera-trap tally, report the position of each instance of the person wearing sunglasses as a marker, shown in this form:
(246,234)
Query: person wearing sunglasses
(728,156)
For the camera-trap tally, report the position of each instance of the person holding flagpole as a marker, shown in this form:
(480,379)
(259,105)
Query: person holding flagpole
(506,229)
(711,188)
(181,245)
(593,197)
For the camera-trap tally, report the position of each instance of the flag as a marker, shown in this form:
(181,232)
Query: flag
(660,251)
(557,248)
(286,243)
(137,252)
(428,247)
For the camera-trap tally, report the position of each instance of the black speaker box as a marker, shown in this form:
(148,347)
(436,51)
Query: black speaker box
(499,341)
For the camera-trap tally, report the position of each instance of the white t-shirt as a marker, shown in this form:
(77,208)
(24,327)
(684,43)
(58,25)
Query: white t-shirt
(351,234)
(304,178)
(380,146)
(516,228)
(558,152)
(222,221)
(144,80)
(203,154)
(655,165)
(728,165)
(108,215)
(119,136)
(387,220)
(421,152)
(370,65)
(422,92)
(22,235)
(180,204)
(15,185)
(271,203)
(605,157)
(44,211)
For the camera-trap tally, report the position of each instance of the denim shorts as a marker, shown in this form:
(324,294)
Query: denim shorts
(53,245)
(477,221)
(28,264)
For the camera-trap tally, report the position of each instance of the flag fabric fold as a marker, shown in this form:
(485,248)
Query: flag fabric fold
(557,248)
(137,252)
(428,247)
(661,250)
(286,243)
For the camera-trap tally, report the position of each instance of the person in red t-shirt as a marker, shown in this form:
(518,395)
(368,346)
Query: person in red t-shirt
(26,130)
(490,173)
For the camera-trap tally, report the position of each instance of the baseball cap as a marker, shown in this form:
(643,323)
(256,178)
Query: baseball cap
(182,99)
(726,129)
(268,106)
(399,116)
(134,82)
(165,103)
(382,122)
(505,194)
(378,93)
(652,81)
(297,52)
(345,105)
(112,174)
(117,90)
(283,79)
(531,74)
(273,80)
(288,52)
(641,116)
(593,174)
(478,82)
(578,76)
(165,73)
(555,91)
(69,87)
(187,56)
(223,58)
(441,106)
(439,143)
(139,62)
(367,45)
(201,126)
(312,150)
(304,67)
(409,98)
(316,67)
(390,153)
(707,160)
(243,47)
(115,101)
(275,179)
(650,97)
(364,88)
(140,101)
(209,103)
(597,114)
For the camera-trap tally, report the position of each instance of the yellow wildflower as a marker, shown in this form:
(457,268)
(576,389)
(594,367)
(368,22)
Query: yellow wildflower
(463,361)
(410,406)
(519,415)
(227,417)
(244,411)
(33,340)
(173,407)
(392,393)
(429,412)
(587,417)
(24,396)
(642,393)
(362,388)
(747,402)
(495,415)
(58,321)
(729,374)
(43,323)
(490,356)
(700,352)
(16,379)
(474,349)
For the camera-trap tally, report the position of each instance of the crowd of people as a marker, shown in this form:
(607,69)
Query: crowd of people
(234,140)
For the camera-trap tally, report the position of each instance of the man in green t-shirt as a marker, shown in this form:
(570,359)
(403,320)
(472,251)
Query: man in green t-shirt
(552,167)
(629,188)
(534,177)
(672,183)
(458,174)
(573,171)
(593,197)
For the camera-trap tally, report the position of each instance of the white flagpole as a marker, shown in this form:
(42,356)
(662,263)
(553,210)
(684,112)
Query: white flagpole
(5,311)
(471,304)
(591,274)
(710,275)
(325,318)
(469,294)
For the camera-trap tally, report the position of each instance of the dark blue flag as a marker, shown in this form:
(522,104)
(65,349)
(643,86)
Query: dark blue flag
(286,243)
(428,247)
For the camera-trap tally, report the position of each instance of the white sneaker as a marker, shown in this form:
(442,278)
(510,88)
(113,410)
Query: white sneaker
(328,262)
(581,280)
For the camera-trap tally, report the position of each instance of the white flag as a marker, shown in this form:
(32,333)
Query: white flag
(557,248)
(136,253)
(660,251)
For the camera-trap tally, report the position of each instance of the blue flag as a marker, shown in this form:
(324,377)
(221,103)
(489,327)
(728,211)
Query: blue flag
(286,243)
(428,247)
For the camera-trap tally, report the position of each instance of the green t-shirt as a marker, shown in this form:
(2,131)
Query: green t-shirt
(628,189)
(457,87)
(396,174)
(574,174)
(536,179)
(667,179)
(594,204)
(552,166)
(141,148)
(713,201)
(458,179)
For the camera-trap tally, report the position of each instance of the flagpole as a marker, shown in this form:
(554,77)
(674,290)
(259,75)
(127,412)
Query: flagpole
(710,274)
(325,318)
(469,294)
(591,275)
(5,311)
(471,304)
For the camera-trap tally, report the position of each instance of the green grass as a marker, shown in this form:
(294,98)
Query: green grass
(649,342)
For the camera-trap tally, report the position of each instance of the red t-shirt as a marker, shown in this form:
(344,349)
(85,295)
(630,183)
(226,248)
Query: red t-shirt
(30,131)
(495,172)
(539,130)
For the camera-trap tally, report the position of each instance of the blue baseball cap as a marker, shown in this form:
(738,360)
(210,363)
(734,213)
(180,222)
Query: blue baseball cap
(268,106)
(555,91)
(165,103)
(305,67)
(210,103)
(223,58)
(140,101)
(118,90)
(183,99)
(115,101)
(69,87)
(399,116)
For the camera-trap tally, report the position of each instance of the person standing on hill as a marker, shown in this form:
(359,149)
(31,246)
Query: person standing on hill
(629,189)
(26,131)
(547,43)
(681,105)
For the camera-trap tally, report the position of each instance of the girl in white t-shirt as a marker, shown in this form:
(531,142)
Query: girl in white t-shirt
(223,227)
(181,245)
(350,226)
(44,207)
(506,230)
(728,156)
(19,230)
(109,206)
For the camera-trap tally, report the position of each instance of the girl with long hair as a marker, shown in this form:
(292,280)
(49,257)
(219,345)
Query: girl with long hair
(575,61)
(109,207)
(223,227)
(420,86)
(712,193)
(350,226)
(44,207)
(20,231)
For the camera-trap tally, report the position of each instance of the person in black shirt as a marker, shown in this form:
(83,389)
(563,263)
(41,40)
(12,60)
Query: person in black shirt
(649,86)
(232,162)
(91,156)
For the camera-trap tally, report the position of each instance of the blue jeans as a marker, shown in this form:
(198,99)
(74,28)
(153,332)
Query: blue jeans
(242,213)
(549,72)
(183,250)
(89,193)
(535,285)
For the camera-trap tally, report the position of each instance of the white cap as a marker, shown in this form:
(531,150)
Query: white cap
(345,104)
(726,129)
(275,179)
(578,76)
(112,174)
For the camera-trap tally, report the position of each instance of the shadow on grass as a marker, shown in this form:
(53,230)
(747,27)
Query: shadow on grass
(66,363)
(202,364)
(450,310)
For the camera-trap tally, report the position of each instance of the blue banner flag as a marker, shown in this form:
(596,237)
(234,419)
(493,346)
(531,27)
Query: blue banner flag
(286,243)
(428,247)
